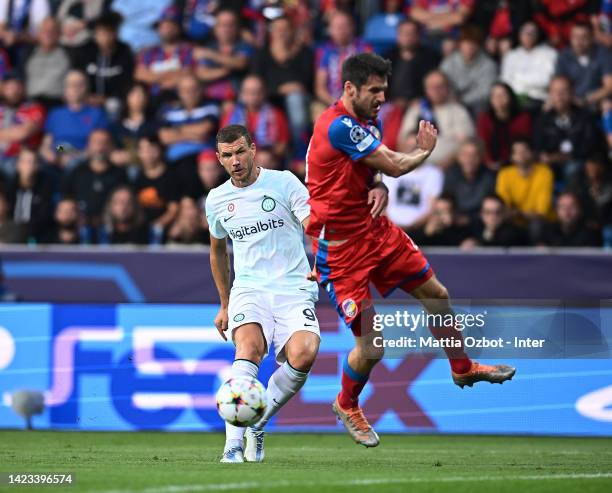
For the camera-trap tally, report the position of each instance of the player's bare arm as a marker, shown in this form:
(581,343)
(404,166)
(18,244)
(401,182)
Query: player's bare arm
(396,164)
(220,266)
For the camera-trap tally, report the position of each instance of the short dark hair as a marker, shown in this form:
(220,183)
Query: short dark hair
(357,69)
(523,140)
(495,197)
(151,138)
(232,133)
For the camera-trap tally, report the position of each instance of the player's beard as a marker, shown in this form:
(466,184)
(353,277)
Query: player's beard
(363,110)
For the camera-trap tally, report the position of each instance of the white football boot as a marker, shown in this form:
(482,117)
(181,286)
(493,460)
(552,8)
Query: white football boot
(254,451)
(232,455)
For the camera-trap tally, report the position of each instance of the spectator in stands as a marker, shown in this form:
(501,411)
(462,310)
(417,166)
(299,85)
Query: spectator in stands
(556,18)
(75,17)
(285,65)
(502,123)
(411,62)
(500,20)
(469,181)
(90,183)
(223,62)
(442,227)
(594,187)
(528,68)
(47,66)
(471,70)
(566,133)
(526,187)
(187,128)
(163,66)
(136,121)
(602,24)
(10,232)
(267,124)
(440,18)
(381,28)
(493,229)
(451,118)
(188,229)
(19,24)
(139,18)
(411,196)
(157,187)
(587,65)
(123,219)
(65,229)
(570,230)
(108,63)
(606,122)
(69,126)
(31,197)
(329,57)
(210,175)
(198,18)
(20,122)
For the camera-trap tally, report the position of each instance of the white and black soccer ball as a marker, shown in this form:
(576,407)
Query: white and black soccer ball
(241,401)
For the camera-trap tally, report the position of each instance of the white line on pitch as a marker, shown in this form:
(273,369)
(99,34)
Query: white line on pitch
(357,482)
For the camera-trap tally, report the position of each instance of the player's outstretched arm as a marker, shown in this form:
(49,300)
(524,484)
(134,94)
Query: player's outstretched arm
(396,164)
(220,266)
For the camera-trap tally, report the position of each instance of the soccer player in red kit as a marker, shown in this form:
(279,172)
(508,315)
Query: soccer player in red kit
(355,245)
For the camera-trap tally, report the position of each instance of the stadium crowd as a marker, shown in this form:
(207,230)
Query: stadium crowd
(109,110)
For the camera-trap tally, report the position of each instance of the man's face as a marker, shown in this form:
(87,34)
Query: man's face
(491,213)
(280,30)
(67,213)
(149,153)
(49,33)
(469,158)
(568,210)
(226,27)
(560,94)
(368,99)
(26,163)
(122,206)
(169,31)
(436,88)
(189,91)
(12,90)
(408,36)
(341,29)
(469,49)
(528,35)
(209,172)
(75,88)
(105,38)
(99,142)
(252,93)
(581,40)
(237,158)
(521,154)
(443,210)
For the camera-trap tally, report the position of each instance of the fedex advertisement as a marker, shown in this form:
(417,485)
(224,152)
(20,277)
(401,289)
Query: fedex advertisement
(135,367)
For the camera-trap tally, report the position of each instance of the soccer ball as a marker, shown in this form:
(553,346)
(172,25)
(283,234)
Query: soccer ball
(241,401)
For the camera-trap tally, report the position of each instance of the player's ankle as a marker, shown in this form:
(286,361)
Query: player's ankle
(347,402)
(461,365)
(231,443)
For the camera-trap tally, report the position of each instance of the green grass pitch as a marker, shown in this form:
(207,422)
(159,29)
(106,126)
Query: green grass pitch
(188,462)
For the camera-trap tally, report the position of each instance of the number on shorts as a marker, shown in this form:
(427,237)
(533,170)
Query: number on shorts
(309,314)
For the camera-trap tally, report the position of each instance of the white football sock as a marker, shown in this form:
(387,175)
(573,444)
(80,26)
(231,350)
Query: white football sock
(283,385)
(234,435)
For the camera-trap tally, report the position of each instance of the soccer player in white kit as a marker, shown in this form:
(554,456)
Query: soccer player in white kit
(273,295)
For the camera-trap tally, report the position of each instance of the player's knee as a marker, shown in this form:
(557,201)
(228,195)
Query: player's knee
(371,352)
(250,343)
(302,356)
(441,293)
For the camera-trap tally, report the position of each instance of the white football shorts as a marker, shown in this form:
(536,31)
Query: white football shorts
(279,315)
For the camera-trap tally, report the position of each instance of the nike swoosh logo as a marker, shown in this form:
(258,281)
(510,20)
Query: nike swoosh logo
(225,219)
(309,325)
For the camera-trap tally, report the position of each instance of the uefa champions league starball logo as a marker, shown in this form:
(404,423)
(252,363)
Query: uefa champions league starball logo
(268,204)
